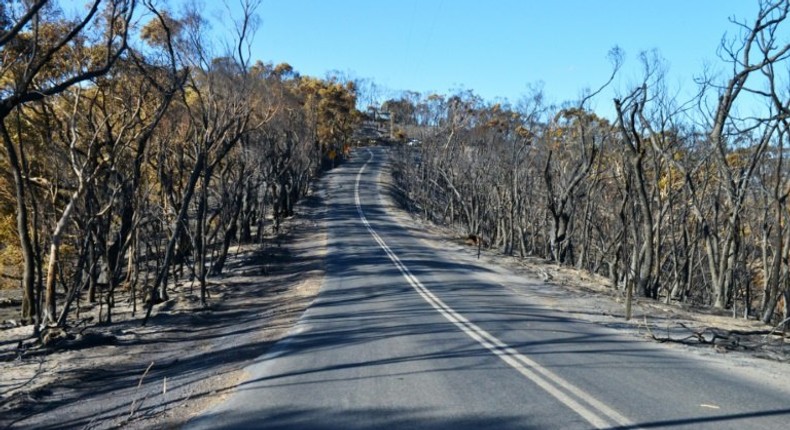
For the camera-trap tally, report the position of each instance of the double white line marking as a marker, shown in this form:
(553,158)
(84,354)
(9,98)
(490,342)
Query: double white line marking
(595,412)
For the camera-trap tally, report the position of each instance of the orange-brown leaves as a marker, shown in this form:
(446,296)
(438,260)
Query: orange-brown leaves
(157,31)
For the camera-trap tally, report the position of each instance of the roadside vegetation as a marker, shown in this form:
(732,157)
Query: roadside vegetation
(674,200)
(137,150)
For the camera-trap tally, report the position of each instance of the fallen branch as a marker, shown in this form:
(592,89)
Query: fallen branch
(132,410)
(781,324)
(719,338)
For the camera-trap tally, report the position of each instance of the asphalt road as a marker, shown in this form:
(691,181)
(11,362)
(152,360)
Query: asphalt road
(403,335)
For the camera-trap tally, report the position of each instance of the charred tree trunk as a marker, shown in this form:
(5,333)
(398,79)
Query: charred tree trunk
(29,309)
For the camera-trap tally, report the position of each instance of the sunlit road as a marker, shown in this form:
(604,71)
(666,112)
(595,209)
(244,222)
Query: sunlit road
(401,336)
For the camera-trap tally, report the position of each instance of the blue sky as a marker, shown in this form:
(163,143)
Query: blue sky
(495,48)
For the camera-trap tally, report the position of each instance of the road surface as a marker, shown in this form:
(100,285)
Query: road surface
(402,335)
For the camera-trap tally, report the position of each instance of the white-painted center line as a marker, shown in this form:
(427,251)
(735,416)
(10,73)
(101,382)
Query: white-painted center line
(591,409)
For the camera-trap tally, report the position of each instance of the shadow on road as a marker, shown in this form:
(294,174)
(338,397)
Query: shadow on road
(728,420)
(359,419)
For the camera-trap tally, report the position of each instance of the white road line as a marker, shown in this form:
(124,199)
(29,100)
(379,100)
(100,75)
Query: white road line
(559,388)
